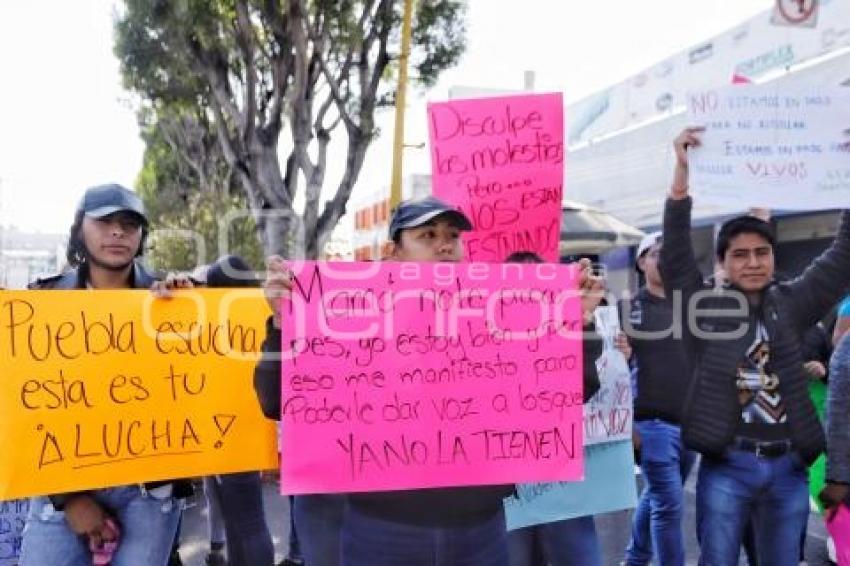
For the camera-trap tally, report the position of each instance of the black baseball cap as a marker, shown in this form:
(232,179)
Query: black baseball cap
(103,200)
(416,212)
(230,271)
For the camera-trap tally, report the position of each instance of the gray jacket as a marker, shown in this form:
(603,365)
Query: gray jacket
(838,414)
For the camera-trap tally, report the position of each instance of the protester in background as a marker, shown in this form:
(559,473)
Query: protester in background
(817,351)
(316,520)
(748,410)
(238,497)
(661,384)
(107,235)
(571,542)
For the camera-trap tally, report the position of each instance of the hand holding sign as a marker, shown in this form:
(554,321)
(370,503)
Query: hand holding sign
(592,288)
(86,517)
(277,284)
(165,288)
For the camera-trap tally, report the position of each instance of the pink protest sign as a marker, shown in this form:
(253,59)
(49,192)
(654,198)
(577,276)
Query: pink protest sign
(412,375)
(839,529)
(501,161)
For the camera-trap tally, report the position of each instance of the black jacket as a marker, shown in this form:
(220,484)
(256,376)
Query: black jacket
(712,411)
(77,279)
(434,506)
(660,360)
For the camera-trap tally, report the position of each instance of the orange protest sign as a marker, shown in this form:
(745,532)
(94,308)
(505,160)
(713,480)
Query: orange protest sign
(117,387)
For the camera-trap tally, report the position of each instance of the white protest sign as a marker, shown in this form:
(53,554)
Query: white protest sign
(770,147)
(608,414)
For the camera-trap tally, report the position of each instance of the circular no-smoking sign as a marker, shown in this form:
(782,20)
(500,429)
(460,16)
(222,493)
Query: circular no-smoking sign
(796,11)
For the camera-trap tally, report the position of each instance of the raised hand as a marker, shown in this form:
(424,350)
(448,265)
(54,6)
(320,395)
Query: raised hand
(690,137)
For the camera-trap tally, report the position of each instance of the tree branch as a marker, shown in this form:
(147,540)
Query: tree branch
(382,36)
(332,82)
(302,106)
(245,40)
(213,67)
(281,63)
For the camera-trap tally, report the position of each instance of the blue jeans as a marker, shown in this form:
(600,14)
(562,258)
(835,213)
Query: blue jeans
(572,542)
(318,522)
(148,526)
(293,547)
(657,522)
(370,541)
(742,487)
(249,542)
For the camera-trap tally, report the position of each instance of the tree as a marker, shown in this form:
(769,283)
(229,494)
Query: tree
(261,68)
(189,194)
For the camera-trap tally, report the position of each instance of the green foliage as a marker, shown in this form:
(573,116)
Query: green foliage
(438,38)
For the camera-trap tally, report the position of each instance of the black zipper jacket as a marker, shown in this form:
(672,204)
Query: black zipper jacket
(712,411)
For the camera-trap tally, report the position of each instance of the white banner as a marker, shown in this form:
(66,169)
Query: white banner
(771,147)
(608,414)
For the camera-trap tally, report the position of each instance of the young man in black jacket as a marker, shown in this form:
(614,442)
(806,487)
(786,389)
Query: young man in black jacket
(107,235)
(748,411)
(660,387)
(443,526)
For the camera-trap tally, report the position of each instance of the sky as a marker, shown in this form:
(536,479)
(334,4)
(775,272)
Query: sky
(66,123)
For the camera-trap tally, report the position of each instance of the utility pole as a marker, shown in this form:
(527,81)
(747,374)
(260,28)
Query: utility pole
(401,95)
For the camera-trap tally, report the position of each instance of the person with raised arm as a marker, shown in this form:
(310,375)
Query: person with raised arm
(748,411)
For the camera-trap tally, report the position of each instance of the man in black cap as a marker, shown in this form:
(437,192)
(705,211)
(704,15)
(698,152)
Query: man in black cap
(468,522)
(464,524)
(427,230)
(107,236)
(108,233)
(455,525)
(660,385)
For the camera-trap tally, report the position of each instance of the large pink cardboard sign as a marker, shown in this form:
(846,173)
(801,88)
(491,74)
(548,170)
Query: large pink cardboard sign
(501,161)
(412,375)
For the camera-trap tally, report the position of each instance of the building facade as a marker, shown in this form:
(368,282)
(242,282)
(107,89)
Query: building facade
(372,214)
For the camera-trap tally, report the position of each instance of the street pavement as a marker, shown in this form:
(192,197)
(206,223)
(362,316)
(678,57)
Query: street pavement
(613,530)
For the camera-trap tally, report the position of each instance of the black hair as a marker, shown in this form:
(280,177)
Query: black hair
(523,257)
(742,225)
(76,253)
(231,271)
